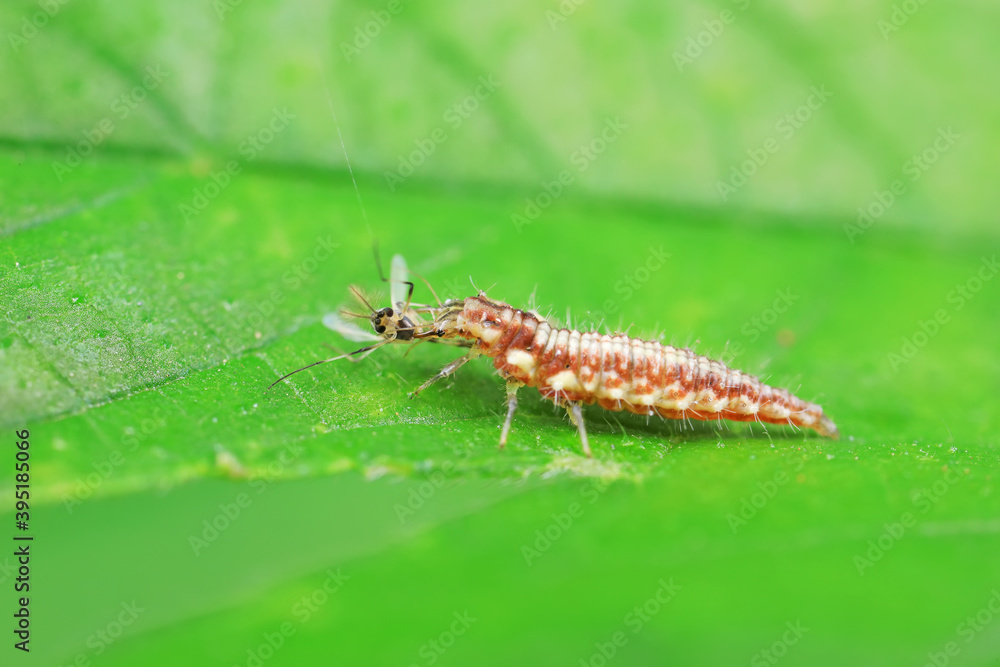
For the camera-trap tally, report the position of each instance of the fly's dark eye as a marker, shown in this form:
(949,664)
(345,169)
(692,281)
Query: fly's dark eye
(379,329)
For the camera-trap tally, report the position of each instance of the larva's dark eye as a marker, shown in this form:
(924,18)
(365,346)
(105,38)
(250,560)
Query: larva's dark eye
(388,312)
(379,329)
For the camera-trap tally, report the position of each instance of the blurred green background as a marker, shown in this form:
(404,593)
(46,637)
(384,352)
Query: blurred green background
(177,216)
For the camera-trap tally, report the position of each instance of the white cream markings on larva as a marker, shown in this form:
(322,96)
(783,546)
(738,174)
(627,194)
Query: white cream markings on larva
(522,360)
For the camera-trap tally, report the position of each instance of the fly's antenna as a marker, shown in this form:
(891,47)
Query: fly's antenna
(323,361)
(356,291)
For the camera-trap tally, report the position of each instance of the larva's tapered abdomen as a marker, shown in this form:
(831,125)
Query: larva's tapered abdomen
(622,373)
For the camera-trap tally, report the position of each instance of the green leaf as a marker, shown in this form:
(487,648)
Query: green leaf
(156,278)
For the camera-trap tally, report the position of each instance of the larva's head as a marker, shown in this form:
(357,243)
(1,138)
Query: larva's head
(484,319)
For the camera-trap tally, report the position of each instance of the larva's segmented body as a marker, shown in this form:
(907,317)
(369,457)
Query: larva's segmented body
(622,373)
(573,368)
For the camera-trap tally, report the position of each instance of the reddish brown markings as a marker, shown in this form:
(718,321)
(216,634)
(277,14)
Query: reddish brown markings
(522,339)
(610,376)
(510,331)
(590,360)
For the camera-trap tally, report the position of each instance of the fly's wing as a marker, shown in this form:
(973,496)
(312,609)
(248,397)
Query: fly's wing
(398,277)
(348,330)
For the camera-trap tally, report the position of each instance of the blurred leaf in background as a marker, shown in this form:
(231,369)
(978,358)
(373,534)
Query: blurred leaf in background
(806,190)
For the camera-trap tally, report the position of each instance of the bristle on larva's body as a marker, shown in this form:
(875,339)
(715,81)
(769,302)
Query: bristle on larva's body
(620,373)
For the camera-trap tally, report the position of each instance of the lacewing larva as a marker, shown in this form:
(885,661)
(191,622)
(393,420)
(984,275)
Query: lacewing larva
(572,368)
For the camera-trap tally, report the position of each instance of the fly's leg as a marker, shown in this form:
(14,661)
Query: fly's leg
(512,387)
(576,416)
(446,371)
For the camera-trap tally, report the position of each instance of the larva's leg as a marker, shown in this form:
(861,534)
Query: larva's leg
(576,416)
(512,387)
(446,371)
